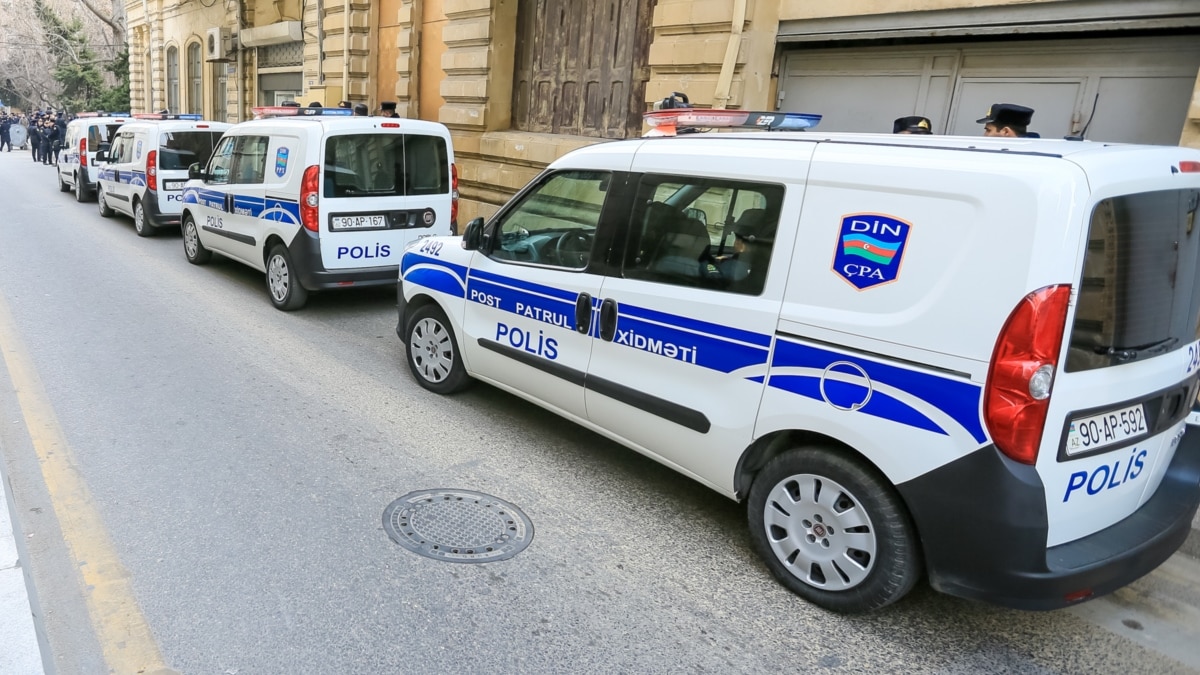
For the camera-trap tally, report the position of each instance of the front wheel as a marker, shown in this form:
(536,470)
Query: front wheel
(433,354)
(282,284)
(193,249)
(140,224)
(833,531)
(102,204)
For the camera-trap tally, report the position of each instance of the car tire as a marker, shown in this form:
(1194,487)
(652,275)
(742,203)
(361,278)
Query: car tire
(283,285)
(193,249)
(433,353)
(102,204)
(833,530)
(62,184)
(81,193)
(140,224)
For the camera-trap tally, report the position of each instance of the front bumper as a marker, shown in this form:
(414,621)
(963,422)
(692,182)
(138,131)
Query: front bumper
(982,521)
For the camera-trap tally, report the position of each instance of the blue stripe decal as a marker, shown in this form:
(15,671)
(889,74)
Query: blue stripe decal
(530,287)
(879,405)
(708,351)
(956,398)
(436,279)
(412,259)
(712,329)
(553,311)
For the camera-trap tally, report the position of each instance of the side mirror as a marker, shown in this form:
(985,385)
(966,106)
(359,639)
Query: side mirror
(473,234)
(102,156)
(196,173)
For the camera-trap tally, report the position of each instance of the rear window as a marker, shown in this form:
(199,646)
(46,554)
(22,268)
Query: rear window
(180,149)
(386,165)
(98,134)
(1138,297)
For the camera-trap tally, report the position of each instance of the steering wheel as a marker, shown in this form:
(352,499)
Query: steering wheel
(573,248)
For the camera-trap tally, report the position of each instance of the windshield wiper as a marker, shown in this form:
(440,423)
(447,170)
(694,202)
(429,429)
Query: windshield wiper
(1127,353)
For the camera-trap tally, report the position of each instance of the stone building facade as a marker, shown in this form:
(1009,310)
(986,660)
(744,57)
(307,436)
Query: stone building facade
(521,82)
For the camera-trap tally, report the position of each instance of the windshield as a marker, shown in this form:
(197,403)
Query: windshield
(1138,297)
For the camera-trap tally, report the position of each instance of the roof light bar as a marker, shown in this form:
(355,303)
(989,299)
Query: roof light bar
(160,116)
(667,122)
(102,114)
(292,111)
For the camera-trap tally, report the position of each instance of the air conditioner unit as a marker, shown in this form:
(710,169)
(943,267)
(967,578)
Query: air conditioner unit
(217,44)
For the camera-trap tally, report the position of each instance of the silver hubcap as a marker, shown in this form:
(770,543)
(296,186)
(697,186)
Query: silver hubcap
(191,241)
(100,199)
(820,532)
(278,278)
(432,350)
(139,217)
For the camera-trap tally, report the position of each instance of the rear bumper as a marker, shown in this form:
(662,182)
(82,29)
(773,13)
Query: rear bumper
(306,254)
(154,213)
(982,521)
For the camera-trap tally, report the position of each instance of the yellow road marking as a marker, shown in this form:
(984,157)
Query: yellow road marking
(124,636)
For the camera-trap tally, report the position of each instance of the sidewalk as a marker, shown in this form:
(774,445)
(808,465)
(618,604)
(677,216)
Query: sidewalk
(20,654)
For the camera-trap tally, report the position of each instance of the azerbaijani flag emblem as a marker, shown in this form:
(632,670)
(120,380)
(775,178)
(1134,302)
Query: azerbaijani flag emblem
(870,249)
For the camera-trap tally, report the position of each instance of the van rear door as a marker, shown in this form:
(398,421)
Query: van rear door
(1127,378)
(379,191)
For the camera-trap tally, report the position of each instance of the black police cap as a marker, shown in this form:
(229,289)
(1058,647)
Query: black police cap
(1007,115)
(388,105)
(914,124)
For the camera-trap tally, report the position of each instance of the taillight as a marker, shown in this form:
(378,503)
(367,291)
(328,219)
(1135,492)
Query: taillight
(310,199)
(453,199)
(152,170)
(1017,394)
(1189,167)
(83,152)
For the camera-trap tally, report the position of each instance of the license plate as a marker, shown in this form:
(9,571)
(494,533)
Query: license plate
(372,222)
(1098,431)
(174,184)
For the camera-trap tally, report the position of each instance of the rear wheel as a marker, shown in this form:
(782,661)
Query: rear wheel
(102,203)
(81,193)
(433,354)
(833,531)
(140,224)
(192,248)
(62,184)
(282,283)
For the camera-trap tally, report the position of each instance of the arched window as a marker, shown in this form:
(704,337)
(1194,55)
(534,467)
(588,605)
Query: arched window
(195,79)
(173,79)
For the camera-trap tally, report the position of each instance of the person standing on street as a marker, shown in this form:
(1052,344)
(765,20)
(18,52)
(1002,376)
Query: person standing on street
(1007,120)
(913,124)
(388,109)
(35,136)
(60,133)
(49,134)
(5,140)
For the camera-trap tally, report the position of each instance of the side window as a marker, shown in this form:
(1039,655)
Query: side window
(221,163)
(125,152)
(703,232)
(250,160)
(114,153)
(555,224)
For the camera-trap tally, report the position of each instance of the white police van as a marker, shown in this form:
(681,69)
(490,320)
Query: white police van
(319,199)
(965,358)
(143,173)
(87,134)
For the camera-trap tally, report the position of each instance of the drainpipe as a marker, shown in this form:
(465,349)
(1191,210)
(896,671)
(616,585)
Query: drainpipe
(346,52)
(725,79)
(148,82)
(241,103)
(320,43)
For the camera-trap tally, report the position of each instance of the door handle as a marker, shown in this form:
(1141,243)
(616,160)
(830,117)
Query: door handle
(608,320)
(228,206)
(583,313)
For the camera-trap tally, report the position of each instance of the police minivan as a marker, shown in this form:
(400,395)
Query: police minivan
(319,199)
(87,134)
(963,359)
(143,173)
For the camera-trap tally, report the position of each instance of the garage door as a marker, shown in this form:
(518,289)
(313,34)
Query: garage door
(1131,90)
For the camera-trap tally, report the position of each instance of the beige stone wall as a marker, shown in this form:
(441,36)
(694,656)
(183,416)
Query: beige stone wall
(347,78)
(163,24)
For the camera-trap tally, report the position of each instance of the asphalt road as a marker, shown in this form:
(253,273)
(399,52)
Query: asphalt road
(237,461)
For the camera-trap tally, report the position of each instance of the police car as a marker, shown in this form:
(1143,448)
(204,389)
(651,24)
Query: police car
(143,173)
(86,135)
(962,359)
(319,199)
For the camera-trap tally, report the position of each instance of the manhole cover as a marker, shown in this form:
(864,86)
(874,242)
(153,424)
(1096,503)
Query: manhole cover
(457,526)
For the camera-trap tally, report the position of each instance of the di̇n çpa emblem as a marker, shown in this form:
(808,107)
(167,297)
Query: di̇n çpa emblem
(281,162)
(870,249)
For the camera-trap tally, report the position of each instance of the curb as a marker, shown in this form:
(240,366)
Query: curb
(21,652)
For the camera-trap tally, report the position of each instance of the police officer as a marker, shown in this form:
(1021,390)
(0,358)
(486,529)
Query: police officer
(60,130)
(913,124)
(388,109)
(5,125)
(49,137)
(360,110)
(35,136)
(1007,120)
(344,104)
